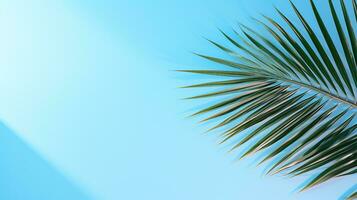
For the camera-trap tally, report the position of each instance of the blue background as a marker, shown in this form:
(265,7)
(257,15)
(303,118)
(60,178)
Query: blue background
(90,107)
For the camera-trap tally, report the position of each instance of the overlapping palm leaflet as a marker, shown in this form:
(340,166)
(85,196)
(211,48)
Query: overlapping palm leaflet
(295,90)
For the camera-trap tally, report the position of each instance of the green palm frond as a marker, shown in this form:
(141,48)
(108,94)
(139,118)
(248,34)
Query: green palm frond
(295,91)
(352,196)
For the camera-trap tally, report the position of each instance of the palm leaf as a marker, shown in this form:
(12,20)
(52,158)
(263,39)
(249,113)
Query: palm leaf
(296,92)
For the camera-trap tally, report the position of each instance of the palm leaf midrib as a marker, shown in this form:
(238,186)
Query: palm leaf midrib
(321,91)
(311,87)
(279,78)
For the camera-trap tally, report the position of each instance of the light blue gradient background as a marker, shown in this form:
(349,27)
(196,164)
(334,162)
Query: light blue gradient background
(91,108)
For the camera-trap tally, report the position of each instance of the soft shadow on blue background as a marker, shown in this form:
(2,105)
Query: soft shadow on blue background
(24,174)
